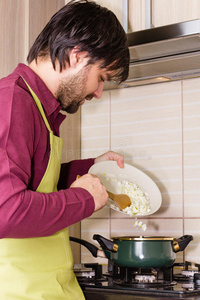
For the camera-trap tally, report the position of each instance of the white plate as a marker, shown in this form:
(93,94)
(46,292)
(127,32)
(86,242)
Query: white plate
(110,169)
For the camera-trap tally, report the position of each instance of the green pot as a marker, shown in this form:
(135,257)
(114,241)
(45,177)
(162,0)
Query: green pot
(143,252)
(138,252)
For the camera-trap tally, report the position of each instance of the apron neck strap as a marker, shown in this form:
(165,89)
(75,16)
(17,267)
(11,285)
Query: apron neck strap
(39,105)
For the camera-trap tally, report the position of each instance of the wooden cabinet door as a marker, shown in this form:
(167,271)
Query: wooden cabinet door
(12,34)
(135,13)
(166,12)
(40,12)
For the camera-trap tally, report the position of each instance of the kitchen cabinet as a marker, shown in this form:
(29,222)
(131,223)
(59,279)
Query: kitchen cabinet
(163,12)
(166,12)
(39,14)
(135,13)
(21,22)
(13,34)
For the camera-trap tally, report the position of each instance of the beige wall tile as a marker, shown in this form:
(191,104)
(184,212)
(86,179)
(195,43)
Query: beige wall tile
(95,127)
(146,128)
(102,213)
(155,227)
(89,227)
(191,148)
(192,252)
(191,204)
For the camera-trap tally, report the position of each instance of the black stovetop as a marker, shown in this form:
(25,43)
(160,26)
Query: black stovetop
(125,283)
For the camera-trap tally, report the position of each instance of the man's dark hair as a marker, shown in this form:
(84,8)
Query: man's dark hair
(90,27)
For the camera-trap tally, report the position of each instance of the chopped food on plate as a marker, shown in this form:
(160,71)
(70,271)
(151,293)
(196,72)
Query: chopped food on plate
(140,203)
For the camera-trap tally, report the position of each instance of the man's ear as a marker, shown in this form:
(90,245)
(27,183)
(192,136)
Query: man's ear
(76,58)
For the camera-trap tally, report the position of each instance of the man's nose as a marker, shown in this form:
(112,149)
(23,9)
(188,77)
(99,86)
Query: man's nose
(98,93)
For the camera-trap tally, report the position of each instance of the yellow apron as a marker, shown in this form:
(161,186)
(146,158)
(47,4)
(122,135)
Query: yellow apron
(40,268)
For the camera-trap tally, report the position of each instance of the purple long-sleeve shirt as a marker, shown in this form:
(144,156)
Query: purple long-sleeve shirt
(24,154)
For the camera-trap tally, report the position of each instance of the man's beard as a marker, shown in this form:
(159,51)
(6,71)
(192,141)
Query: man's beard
(71,91)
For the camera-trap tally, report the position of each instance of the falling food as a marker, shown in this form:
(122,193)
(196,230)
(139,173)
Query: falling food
(140,225)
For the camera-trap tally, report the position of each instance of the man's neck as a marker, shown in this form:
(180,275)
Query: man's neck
(44,69)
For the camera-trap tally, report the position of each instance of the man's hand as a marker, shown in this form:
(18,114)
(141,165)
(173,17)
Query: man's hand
(93,185)
(110,155)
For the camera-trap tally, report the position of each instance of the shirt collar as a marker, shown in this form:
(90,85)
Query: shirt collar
(49,103)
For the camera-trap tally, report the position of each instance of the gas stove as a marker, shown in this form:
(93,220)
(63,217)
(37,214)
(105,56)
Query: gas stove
(182,280)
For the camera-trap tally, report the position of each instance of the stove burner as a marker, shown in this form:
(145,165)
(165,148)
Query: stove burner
(188,273)
(150,283)
(142,285)
(193,265)
(89,273)
(145,278)
(144,275)
(84,274)
(92,280)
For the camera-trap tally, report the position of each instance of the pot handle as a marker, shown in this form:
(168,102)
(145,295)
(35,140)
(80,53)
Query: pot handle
(181,243)
(105,243)
(92,248)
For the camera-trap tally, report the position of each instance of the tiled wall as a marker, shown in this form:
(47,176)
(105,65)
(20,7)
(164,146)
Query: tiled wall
(157,128)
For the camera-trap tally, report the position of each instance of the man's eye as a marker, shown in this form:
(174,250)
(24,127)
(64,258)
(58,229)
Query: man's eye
(102,79)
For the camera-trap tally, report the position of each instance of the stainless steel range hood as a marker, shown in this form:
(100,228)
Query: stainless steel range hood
(164,53)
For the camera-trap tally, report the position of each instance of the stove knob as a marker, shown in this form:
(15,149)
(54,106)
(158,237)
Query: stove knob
(197,279)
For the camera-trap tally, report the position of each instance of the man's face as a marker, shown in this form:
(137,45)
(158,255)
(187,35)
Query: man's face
(74,89)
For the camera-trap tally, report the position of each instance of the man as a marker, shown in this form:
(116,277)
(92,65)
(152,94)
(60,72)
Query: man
(82,46)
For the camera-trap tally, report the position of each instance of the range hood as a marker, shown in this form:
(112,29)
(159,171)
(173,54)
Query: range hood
(164,53)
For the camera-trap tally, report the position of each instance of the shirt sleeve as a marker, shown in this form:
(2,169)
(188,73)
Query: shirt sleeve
(24,212)
(70,170)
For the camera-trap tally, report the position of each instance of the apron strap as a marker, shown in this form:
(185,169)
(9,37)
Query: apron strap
(39,105)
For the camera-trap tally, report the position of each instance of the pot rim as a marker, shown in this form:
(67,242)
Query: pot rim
(143,238)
